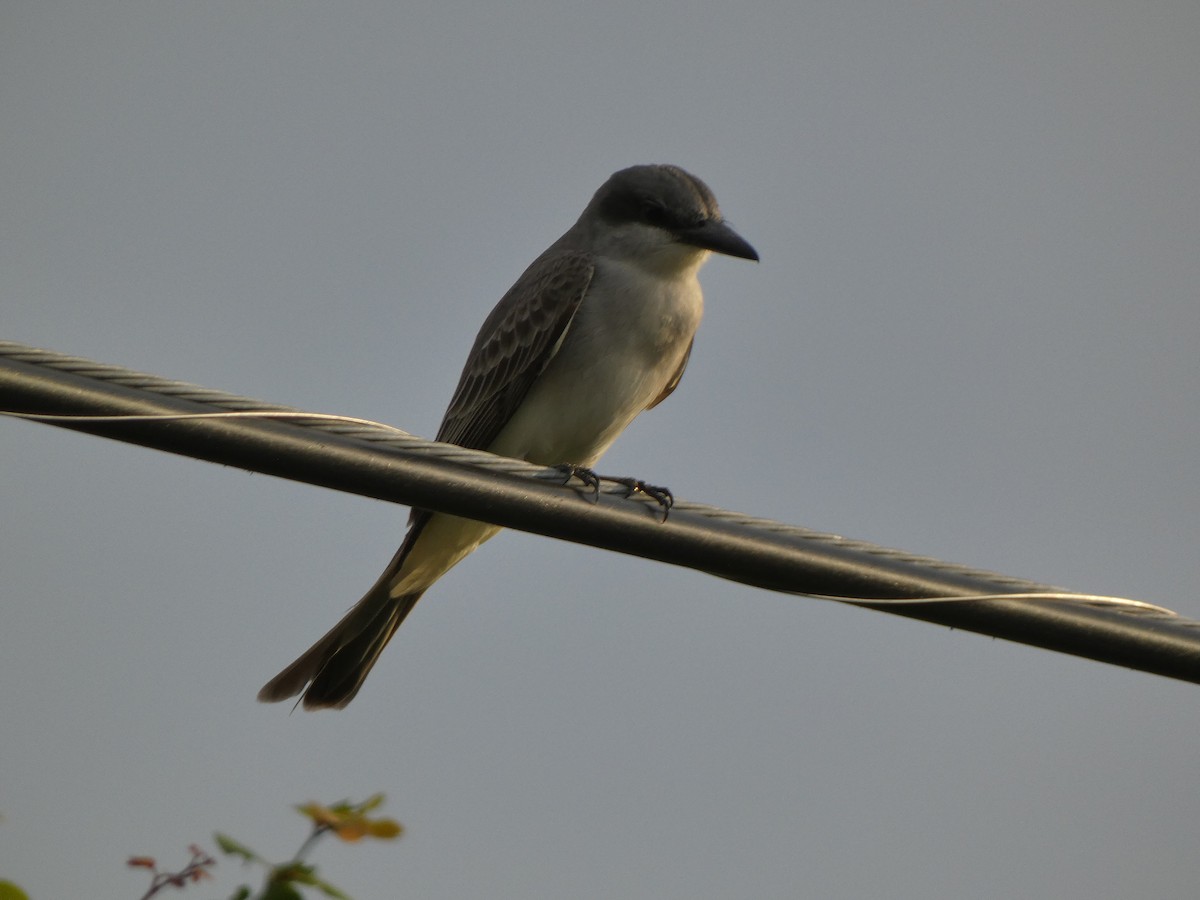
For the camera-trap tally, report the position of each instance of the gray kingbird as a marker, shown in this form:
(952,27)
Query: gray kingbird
(596,330)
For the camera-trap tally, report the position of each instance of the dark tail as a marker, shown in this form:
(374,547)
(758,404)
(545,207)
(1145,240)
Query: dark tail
(334,668)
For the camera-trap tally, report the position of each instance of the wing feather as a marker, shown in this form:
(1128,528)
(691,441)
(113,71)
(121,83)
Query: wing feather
(513,347)
(676,378)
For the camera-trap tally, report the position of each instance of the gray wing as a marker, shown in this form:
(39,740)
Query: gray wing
(675,379)
(513,347)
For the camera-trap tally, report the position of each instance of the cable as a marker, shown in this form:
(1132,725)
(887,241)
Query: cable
(374,460)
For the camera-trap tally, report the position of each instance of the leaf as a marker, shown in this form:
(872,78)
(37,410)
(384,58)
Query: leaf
(9,891)
(281,891)
(352,828)
(329,890)
(294,871)
(372,802)
(231,847)
(321,815)
(385,829)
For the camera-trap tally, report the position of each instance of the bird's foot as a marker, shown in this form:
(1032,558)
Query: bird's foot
(589,478)
(660,495)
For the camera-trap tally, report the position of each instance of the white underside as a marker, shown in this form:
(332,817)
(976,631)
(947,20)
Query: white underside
(625,344)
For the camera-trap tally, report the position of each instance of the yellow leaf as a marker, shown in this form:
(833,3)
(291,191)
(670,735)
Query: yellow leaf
(352,828)
(385,829)
(321,815)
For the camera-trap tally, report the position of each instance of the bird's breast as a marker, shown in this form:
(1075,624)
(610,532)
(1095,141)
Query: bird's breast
(623,347)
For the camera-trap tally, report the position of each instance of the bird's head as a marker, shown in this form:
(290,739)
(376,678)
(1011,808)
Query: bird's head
(662,217)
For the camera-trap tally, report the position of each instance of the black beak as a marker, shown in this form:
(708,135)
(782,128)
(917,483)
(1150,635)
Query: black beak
(718,237)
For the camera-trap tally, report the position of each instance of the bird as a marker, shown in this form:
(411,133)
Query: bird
(597,329)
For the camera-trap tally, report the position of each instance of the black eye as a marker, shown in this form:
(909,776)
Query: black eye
(654,213)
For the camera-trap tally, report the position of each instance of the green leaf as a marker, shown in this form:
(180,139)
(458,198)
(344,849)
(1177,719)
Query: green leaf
(294,872)
(9,891)
(231,847)
(243,893)
(329,890)
(371,803)
(281,891)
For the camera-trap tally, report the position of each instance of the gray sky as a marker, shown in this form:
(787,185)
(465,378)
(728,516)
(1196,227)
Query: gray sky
(972,335)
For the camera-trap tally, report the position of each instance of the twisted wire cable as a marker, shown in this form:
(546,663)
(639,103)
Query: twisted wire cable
(100,398)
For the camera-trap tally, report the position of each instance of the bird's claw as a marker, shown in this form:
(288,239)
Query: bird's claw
(589,478)
(660,495)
